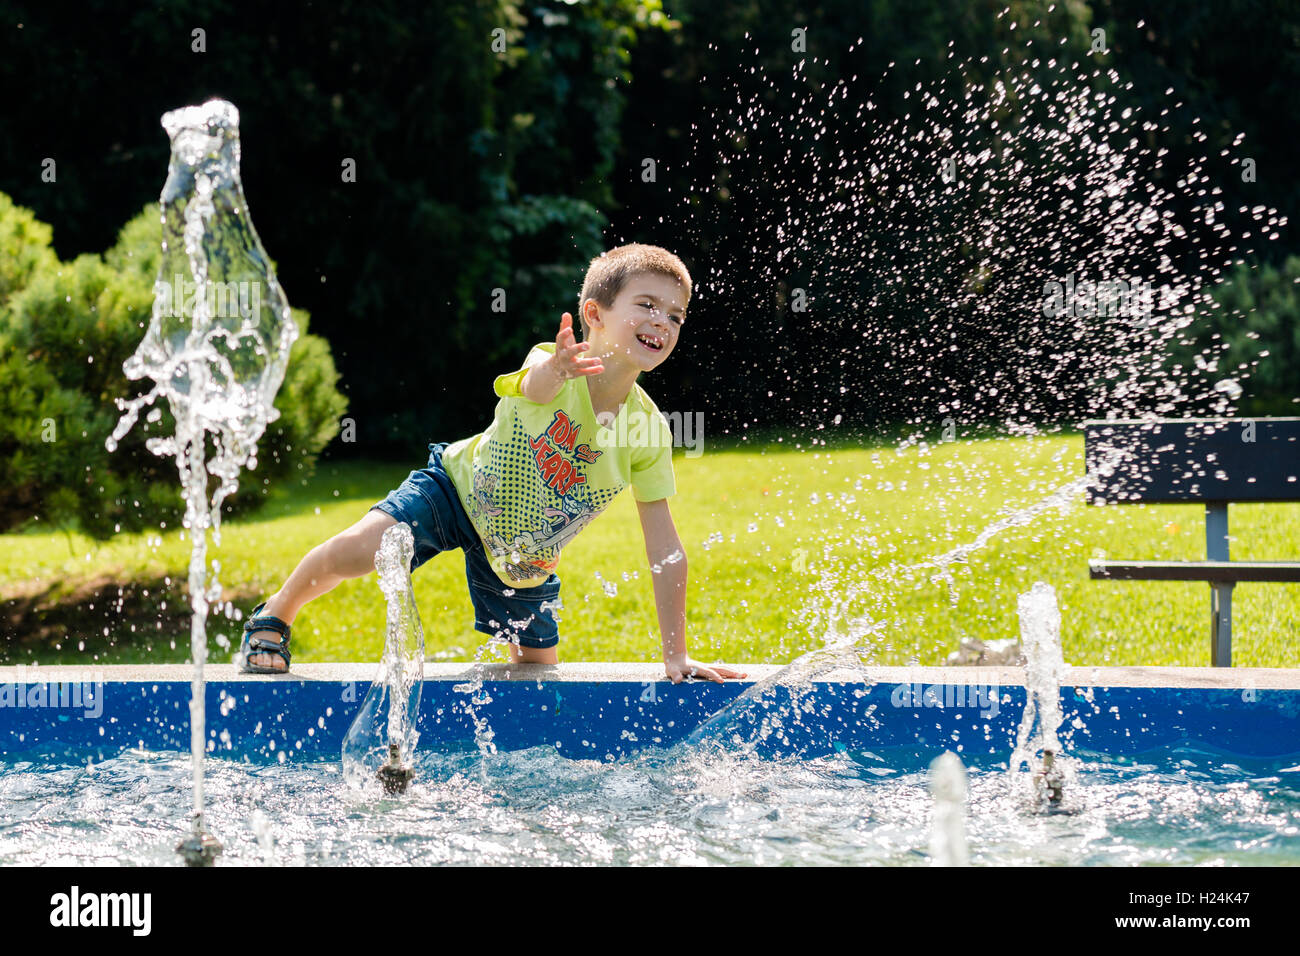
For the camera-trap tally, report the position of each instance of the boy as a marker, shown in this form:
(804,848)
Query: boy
(559,450)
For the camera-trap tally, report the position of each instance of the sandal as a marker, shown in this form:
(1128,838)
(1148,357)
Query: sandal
(255,645)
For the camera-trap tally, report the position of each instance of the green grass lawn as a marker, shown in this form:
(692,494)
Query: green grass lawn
(776,537)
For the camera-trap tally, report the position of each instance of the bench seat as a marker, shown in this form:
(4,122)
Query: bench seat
(1215,571)
(1214,461)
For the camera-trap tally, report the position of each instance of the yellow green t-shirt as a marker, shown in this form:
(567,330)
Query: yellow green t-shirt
(540,473)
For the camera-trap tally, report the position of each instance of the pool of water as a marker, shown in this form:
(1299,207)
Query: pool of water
(685,804)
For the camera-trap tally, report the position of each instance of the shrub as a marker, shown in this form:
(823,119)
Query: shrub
(1254,336)
(65,330)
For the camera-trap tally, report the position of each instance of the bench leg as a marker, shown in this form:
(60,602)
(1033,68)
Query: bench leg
(1216,549)
(1221,625)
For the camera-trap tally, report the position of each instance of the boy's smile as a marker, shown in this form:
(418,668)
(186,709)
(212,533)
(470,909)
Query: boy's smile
(641,327)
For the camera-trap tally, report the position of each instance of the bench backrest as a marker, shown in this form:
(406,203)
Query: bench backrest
(1194,459)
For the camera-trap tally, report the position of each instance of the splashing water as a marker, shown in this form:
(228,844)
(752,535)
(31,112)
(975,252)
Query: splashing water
(1027,222)
(381,741)
(216,348)
(757,713)
(996,248)
(477,696)
(674,806)
(1040,635)
(948,787)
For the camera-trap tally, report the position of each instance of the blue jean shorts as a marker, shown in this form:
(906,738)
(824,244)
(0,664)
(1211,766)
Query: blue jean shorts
(428,502)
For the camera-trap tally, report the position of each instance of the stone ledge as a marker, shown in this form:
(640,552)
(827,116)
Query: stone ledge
(1260,678)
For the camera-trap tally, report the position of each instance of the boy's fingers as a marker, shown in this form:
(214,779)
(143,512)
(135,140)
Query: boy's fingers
(566,326)
(727,672)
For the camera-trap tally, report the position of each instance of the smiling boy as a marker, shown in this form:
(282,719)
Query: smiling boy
(556,454)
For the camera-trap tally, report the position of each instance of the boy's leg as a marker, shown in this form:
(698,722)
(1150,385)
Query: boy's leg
(349,554)
(533,655)
(524,617)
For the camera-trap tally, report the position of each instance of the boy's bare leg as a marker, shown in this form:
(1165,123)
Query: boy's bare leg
(349,554)
(533,655)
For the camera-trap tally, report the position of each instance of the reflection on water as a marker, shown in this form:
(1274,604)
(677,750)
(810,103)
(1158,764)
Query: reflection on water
(679,806)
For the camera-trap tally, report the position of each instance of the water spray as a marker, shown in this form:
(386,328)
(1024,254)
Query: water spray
(1040,633)
(218,356)
(382,738)
(948,787)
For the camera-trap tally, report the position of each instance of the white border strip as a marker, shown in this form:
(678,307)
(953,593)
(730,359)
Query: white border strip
(1270,678)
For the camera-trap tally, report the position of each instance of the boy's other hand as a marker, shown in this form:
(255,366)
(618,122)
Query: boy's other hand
(680,668)
(568,361)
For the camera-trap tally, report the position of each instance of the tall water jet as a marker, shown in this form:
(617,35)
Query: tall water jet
(948,834)
(217,348)
(1040,631)
(382,738)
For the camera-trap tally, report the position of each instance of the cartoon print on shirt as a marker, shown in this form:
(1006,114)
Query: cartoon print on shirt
(558,471)
(485,484)
(561,524)
(559,459)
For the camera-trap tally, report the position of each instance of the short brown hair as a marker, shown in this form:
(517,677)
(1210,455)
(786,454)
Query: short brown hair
(610,271)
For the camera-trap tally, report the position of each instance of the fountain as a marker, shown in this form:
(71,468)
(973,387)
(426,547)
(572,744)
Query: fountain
(217,347)
(1040,628)
(948,787)
(382,738)
(1053,192)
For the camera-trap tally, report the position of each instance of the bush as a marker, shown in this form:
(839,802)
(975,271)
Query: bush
(1254,337)
(24,247)
(65,330)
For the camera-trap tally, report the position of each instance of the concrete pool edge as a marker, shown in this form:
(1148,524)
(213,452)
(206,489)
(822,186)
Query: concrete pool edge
(1224,678)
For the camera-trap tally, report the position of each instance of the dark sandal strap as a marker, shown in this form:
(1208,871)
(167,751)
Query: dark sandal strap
(267,622)
(259,645)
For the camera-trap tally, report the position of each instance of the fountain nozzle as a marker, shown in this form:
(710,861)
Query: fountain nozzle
(394,775)
(1050,778)
(200,848)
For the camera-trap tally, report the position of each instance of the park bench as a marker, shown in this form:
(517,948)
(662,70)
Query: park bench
(1215,461)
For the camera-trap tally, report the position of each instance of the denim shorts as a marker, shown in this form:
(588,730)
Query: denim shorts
(428,502)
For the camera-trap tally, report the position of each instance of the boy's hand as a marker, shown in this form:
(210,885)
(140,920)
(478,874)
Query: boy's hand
(567,360)
(680,668)
(545,379)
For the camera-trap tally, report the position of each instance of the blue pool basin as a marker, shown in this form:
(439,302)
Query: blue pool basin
(605,711)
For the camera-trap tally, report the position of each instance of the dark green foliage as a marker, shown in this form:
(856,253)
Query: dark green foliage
(475,170)
(1235,65)
(65,331)
(1255,338)
(478,170)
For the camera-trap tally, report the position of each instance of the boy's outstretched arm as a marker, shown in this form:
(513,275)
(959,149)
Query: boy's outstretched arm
(545,379)
(664,549)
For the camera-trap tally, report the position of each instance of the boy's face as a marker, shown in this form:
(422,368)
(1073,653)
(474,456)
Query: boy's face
(644,321)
